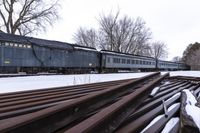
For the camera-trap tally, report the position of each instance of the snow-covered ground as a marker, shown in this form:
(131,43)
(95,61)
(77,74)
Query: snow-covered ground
(13,84)
(185,73)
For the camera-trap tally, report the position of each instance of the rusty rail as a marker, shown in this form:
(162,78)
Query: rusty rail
(118,106)
(53,118)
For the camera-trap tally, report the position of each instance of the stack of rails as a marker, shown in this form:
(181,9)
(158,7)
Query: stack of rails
(17,103)
(117,106)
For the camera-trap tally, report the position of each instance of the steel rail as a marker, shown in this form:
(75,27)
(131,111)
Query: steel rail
(136,125)
(171,85)
(186,78)
(145,108)
(158,125)
(54,89)
(111,117)
(166,92)
(53,118)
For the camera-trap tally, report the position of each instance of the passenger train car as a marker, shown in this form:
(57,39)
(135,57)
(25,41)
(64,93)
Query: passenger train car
(33,55)
(114,61)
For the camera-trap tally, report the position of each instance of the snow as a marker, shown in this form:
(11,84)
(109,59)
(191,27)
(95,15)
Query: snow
(152,122)
(166,83)
(159,117)
(13,84)
(185,73)
(191,100)
(154,91)
(170,124)
(177,94)
(85,48)
(173,106)
(191,109)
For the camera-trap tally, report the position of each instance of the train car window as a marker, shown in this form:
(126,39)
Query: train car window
(113,60)
(108,60)
(136,61)
(123,61)
(24,45)
(140,62)
(118,60)
(128,61)
(133,61)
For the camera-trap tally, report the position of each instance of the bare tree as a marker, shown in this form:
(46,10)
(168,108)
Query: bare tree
(158,51)
(177,59)
(86,37)
(117,34)
(126,34)
(107,26)
(27,16)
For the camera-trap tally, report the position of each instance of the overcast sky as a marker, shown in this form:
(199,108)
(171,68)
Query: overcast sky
(175,22)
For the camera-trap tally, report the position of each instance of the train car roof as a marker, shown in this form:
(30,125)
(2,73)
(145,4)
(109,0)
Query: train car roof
(76,46)
(171,62)
(35,41)
(125,54)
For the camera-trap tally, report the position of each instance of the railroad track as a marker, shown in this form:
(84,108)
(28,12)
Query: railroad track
(117,106)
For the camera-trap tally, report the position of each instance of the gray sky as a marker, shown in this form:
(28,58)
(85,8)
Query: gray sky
(175,22)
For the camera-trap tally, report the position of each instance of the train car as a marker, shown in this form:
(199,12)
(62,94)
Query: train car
(167,65)
(32,55)
(114,61)
(171,66)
